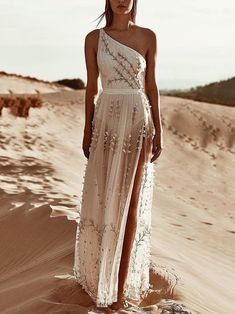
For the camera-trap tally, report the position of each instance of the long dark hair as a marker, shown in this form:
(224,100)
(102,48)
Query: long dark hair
(108,13)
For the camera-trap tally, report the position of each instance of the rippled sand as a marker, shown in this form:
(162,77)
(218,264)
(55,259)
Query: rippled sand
(41,170)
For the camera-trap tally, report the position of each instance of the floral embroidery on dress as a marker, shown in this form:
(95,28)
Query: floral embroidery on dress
(125,70)
(111,140)
(121,128)
(140,255)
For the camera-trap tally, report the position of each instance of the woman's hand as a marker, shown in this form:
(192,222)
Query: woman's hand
(157,147)
(87,136)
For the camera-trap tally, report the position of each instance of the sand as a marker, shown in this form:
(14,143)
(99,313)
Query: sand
(42,165)
(21,85)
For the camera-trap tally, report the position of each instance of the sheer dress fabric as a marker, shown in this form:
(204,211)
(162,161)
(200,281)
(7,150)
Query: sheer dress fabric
(122,125)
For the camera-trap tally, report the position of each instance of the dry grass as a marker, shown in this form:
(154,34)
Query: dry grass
(19,105)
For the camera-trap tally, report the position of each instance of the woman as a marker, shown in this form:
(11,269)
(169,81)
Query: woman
(122,139)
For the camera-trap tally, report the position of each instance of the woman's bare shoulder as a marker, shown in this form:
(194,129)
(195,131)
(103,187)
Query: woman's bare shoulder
(147,32)
(91,39)
(147,37)
(92,35)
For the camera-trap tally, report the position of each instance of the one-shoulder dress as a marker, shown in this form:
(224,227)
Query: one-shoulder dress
(122,125)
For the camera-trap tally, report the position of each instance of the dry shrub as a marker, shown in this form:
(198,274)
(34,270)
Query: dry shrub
(20,105)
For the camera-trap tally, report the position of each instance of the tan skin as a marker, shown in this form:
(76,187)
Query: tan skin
(126,32)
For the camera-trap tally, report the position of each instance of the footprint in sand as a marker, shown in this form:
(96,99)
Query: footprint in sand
(188,238)
(231,231)
(207,223)
(57,179)
(177,225)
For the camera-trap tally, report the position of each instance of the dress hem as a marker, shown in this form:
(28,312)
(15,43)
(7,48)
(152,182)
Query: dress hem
(143,293)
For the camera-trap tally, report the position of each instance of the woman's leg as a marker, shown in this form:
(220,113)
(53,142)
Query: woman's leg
(131,224)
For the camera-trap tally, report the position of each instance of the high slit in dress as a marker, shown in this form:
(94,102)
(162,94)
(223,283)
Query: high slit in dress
(122,125)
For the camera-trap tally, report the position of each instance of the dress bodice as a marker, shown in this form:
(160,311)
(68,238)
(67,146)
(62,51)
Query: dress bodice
(121,67)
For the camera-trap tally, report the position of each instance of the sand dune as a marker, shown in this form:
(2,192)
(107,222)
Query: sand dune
(42,166)
(21,85)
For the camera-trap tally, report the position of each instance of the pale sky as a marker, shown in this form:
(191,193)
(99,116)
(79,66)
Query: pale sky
(45,38)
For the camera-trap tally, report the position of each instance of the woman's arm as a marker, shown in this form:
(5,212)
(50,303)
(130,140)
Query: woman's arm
(91,43)
(151,87)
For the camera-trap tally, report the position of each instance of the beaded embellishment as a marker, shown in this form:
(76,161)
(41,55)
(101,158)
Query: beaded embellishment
(125,70)
(121,130)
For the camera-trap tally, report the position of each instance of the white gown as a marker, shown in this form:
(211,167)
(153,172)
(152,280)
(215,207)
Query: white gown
(122,124)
